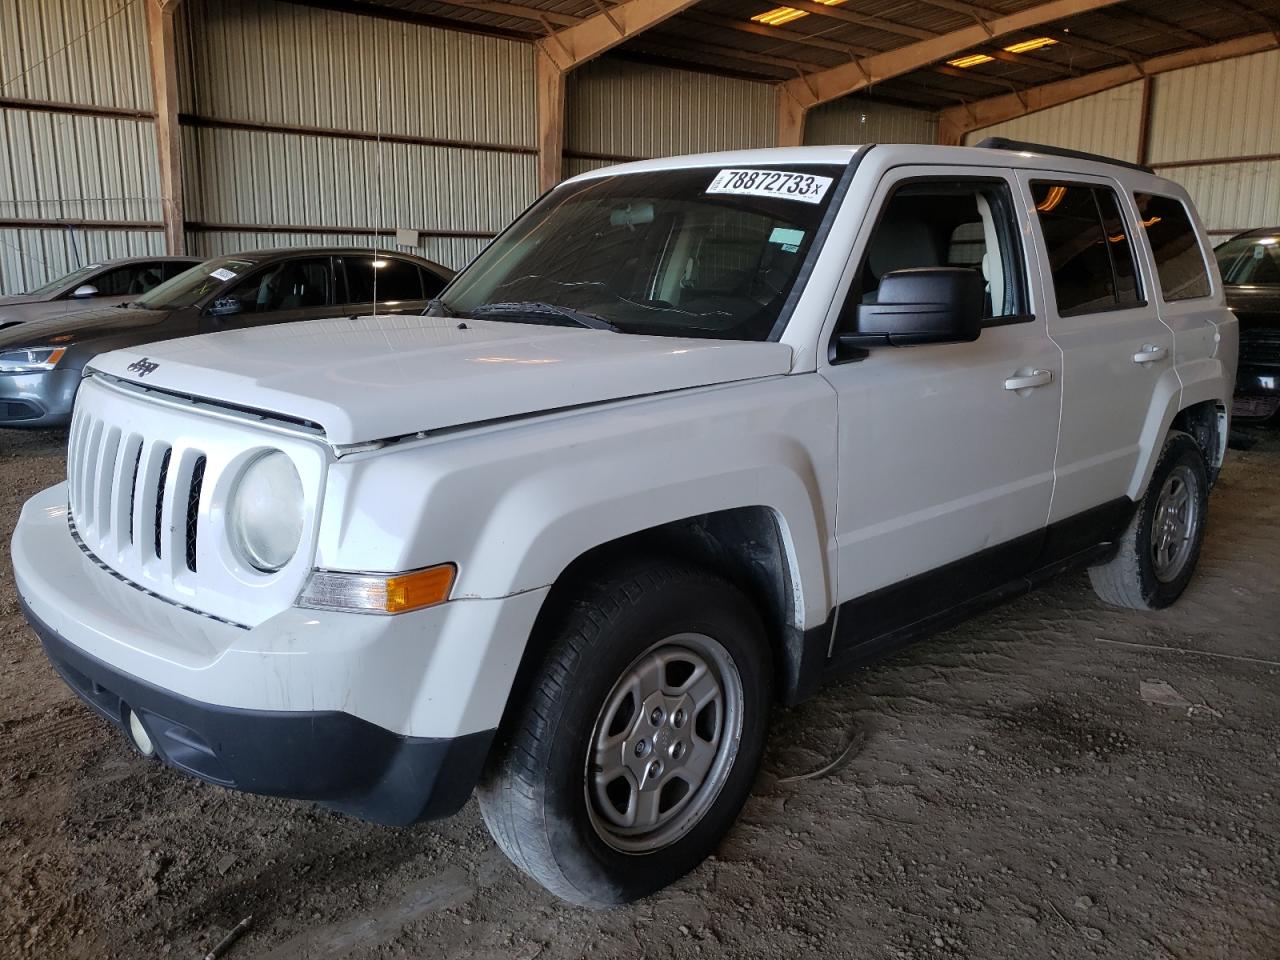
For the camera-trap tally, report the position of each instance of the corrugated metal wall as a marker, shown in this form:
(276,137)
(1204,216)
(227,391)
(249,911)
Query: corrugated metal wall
(60,166)
(857,120)
(1220,111)
(351,79)
(1225,112)
(1107,123)
(626,109)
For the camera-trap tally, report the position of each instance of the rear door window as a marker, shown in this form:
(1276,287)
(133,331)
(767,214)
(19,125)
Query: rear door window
(1175,246)
(1088,247)
(382,279)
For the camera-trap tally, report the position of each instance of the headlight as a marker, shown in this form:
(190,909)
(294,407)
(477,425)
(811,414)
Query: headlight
(30,360)
(266,512)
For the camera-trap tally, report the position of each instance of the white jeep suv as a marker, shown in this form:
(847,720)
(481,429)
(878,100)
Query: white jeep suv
(690,437)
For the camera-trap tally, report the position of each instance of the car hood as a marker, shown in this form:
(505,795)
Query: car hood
(369,378)
(17,298)
(1255,304)
(78,327)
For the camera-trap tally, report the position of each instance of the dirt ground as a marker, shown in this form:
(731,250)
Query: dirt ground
(1014,796)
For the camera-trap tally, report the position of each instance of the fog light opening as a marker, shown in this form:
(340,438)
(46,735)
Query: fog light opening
(140,737)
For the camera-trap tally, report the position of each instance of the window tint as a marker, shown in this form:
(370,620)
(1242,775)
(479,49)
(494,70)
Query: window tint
(174,267)
(1088,247)
(1116,229)
(431,284)
(121,281)
(956,223)
(395,279)
(289,285)
(1179,259)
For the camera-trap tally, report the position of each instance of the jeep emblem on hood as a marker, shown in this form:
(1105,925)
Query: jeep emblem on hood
(143,367)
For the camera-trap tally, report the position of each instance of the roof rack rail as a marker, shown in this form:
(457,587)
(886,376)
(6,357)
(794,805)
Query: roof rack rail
(1001,143)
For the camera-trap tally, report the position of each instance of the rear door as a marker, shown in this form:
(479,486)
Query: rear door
(1102,315)
(394,284)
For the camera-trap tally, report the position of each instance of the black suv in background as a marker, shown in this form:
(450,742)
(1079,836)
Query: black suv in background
(1250,265)
(41,361)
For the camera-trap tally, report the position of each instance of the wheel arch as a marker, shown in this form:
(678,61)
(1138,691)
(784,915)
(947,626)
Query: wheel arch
(1196,406)
(750,546)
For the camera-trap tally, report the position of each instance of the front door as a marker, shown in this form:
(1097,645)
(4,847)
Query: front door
(945,451)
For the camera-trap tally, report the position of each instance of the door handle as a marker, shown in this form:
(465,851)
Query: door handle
(1150,353)
(1036,378)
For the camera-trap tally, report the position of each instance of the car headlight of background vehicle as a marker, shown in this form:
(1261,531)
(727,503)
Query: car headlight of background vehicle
(266,512)
(30,359)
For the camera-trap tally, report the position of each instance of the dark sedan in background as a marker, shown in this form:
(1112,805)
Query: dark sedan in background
(41,362)
(1250,265)
(97,285)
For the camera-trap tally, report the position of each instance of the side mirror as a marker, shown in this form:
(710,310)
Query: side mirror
(84,290)
(921,305)
(225,307)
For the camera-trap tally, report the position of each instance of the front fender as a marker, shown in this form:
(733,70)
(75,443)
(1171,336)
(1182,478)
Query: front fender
(513,505)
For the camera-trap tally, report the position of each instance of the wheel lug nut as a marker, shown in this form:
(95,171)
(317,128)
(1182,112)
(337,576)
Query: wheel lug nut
(657,717)
(642,748)
(678,718)
(655,768)
(677,750)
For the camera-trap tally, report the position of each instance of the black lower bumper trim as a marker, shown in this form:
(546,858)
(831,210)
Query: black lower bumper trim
(329,757)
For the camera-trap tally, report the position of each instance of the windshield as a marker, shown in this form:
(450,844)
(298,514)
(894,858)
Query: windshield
(1250,260)
(705,252)
(191,286)
(75,276)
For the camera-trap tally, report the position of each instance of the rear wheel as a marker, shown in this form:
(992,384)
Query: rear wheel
(1157,554)
(639,738)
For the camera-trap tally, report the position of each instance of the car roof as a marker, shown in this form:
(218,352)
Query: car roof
(1033,157)
(1258,232)
(273,253)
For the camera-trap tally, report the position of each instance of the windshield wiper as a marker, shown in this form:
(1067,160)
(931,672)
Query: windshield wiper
(437,308)
(536,308)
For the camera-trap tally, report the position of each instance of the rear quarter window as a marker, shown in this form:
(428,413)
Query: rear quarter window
(1179,257)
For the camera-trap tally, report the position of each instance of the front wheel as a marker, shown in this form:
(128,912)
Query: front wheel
(1157,554)
(639,739)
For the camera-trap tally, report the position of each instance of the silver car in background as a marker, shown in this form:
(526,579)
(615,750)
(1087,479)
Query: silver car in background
(99,284)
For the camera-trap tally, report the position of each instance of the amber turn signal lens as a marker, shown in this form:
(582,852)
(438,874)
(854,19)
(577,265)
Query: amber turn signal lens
(424,588)
(378,593)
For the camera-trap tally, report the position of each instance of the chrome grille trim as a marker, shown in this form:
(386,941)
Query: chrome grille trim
(147,484)
(84,548)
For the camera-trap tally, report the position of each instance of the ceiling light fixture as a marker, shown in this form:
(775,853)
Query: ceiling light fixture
(1026,46)
(972,60)
(780,15)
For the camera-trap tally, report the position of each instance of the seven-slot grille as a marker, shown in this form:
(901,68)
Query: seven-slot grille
(134,498)
(1260,345)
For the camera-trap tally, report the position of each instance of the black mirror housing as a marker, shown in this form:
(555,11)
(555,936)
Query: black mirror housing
(922,305)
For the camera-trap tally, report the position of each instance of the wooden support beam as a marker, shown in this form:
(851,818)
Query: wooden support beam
(562,50)
(812,89)
(549,103)
(955,122)
(164,87)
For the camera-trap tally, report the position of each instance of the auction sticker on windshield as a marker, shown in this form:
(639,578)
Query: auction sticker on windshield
(222,273)
(782,184)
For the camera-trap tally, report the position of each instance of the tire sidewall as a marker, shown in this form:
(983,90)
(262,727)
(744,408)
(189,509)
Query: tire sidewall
(704,605)
(1179,449)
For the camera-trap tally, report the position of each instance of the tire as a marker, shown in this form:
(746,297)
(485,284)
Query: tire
(545,795)
(1135,577)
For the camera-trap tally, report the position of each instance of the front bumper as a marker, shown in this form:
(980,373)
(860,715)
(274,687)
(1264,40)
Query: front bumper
(336,759)
(373,715)
(42,399)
